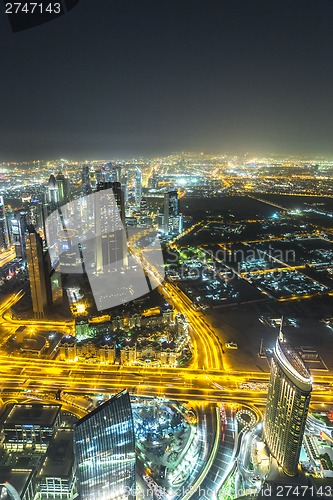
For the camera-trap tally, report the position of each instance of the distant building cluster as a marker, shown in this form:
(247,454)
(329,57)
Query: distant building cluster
(50,229)
(161,340)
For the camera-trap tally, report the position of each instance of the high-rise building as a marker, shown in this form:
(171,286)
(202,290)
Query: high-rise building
(47,209)
(93,179)
(63,189)
(138,186)
(18,228)
(39,281)
(35,214)
(110,229)
(56,287)
(98,175)
(85,176)
(104,446)
(117,173)
(124,188)
(172,219)
(4,234)
(52,190)
(113,172)
(287,406)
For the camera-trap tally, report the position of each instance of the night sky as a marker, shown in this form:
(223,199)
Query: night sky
(140,77)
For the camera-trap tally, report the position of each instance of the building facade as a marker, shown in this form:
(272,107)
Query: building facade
(172,220)
(4,233)
(287,406)
(29,426)
(104,445)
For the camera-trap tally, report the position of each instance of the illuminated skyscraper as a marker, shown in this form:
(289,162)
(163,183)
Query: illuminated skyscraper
(18,228)
(287,406)
(118,173)
(111,244)
(93,178)
(104,445)
(4,234)
(38,278)
(35,214)
(112,172)
(172,219)
(63,189)
(85,176)
(52,190)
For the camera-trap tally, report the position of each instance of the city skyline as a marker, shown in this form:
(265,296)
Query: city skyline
(166,250)
(218,411)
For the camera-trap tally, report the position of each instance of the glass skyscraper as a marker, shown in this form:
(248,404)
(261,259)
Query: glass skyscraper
(287,406)
(104,445)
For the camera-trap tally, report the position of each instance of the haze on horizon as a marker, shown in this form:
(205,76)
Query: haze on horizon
(147,78)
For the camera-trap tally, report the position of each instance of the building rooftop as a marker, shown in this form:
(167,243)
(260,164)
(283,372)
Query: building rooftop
(42,415)
(18,478)
(60,455)
(97,410)
(35,344)
(291,360)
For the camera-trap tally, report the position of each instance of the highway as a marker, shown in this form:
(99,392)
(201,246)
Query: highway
(66,327)
(9,324)
(9,301)
(184,384)
(207,348)
(223,459)
(7,256)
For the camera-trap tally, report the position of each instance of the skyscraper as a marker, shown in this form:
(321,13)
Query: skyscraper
(52,190)
(63,189)
(39,281)
(138,186)
(104,445)
(35,214)
(113,172)
(18,228)
(4,234)
(172,219)
(110,227)
(85,176)
(287,405)
(117,173)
